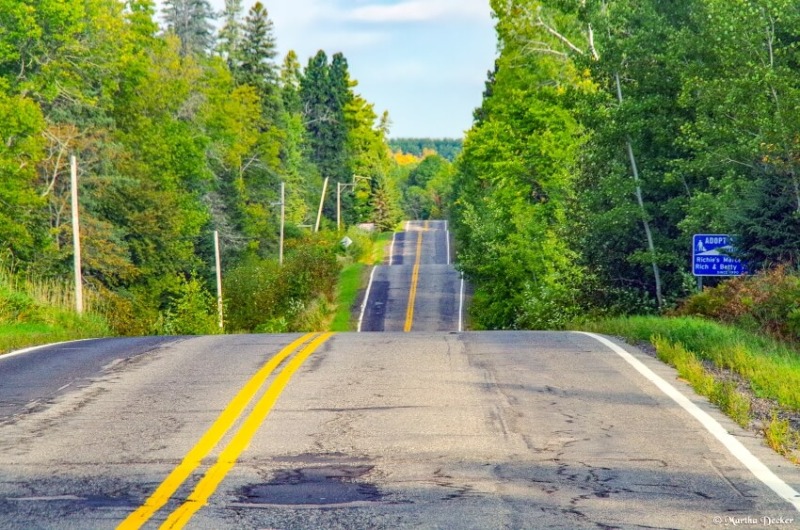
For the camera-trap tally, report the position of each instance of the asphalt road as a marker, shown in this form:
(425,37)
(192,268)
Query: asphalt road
(418,289)
(32,380)
(429,429)
(392,430)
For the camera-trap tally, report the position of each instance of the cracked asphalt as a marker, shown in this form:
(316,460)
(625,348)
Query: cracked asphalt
(392,430)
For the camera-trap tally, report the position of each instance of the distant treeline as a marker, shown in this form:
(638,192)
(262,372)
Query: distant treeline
(448,148)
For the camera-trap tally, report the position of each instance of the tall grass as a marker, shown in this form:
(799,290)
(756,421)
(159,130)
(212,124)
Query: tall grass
(771,367)
(34,312)
(49,292)
(350,281)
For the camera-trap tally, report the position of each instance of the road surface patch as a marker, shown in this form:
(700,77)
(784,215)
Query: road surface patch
(211,438)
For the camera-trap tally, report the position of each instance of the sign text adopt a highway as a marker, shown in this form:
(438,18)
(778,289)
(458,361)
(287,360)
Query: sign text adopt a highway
(711,256)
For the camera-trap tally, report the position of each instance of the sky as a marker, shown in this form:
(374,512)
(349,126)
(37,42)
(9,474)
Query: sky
(425,61)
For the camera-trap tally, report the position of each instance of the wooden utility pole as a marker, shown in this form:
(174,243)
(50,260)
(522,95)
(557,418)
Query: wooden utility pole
(283,220)
(218,262)
(76,235)
(338,206)
(321,203)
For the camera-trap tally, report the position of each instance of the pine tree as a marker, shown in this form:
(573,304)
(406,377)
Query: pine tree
(258,52)
(340,97)
(230,36)
(291,75)
(316,113)
(190,20)
(325,93)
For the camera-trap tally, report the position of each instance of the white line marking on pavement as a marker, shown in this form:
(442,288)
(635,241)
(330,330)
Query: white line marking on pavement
(50,498)
(366,298)
(750,461)
(391,249)
(42,346)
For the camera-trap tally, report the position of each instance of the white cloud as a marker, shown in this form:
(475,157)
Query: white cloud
(421,11)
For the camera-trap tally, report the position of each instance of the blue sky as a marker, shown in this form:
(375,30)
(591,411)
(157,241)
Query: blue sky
(425,61)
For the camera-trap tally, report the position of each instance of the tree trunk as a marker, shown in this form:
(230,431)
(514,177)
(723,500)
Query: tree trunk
(648,233)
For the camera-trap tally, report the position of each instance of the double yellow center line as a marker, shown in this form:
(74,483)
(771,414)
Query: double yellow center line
(412,294)
(240,440)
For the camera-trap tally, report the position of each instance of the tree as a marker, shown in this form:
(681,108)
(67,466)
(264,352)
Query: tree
(325,93)
(190,20)
(230,36)
(290,83)
(257,58)
(743,141)
(21,145)
(514,186)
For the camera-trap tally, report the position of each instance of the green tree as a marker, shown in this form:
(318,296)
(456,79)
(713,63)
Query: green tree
(514,186)
(21,145)
(743,142)
(190,20)
(230,36)
(325,92)
(257,65)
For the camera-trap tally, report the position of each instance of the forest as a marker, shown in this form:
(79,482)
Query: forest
(609,134)
(184,123)
(448,148)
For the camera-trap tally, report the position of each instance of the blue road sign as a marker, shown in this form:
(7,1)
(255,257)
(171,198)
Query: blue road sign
(711,256)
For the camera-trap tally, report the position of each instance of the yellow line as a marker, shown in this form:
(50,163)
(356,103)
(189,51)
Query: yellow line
(209,440)
(227,459)
(412,294)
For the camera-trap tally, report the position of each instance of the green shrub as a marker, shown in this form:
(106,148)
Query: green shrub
(768,301)
(780,436)
(17,307)
(262,296)
(192,311)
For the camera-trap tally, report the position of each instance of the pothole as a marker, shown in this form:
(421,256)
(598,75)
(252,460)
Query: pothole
(313,486)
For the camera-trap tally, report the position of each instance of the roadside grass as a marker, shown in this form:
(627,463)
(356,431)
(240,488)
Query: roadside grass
(34,312)
(349,284)
(729,366)
(353,278)
(379,247)
(18,336)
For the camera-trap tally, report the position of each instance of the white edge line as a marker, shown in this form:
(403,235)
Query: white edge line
(750,461)
(40,347)
(391,249)
(366,298)
(461,306)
